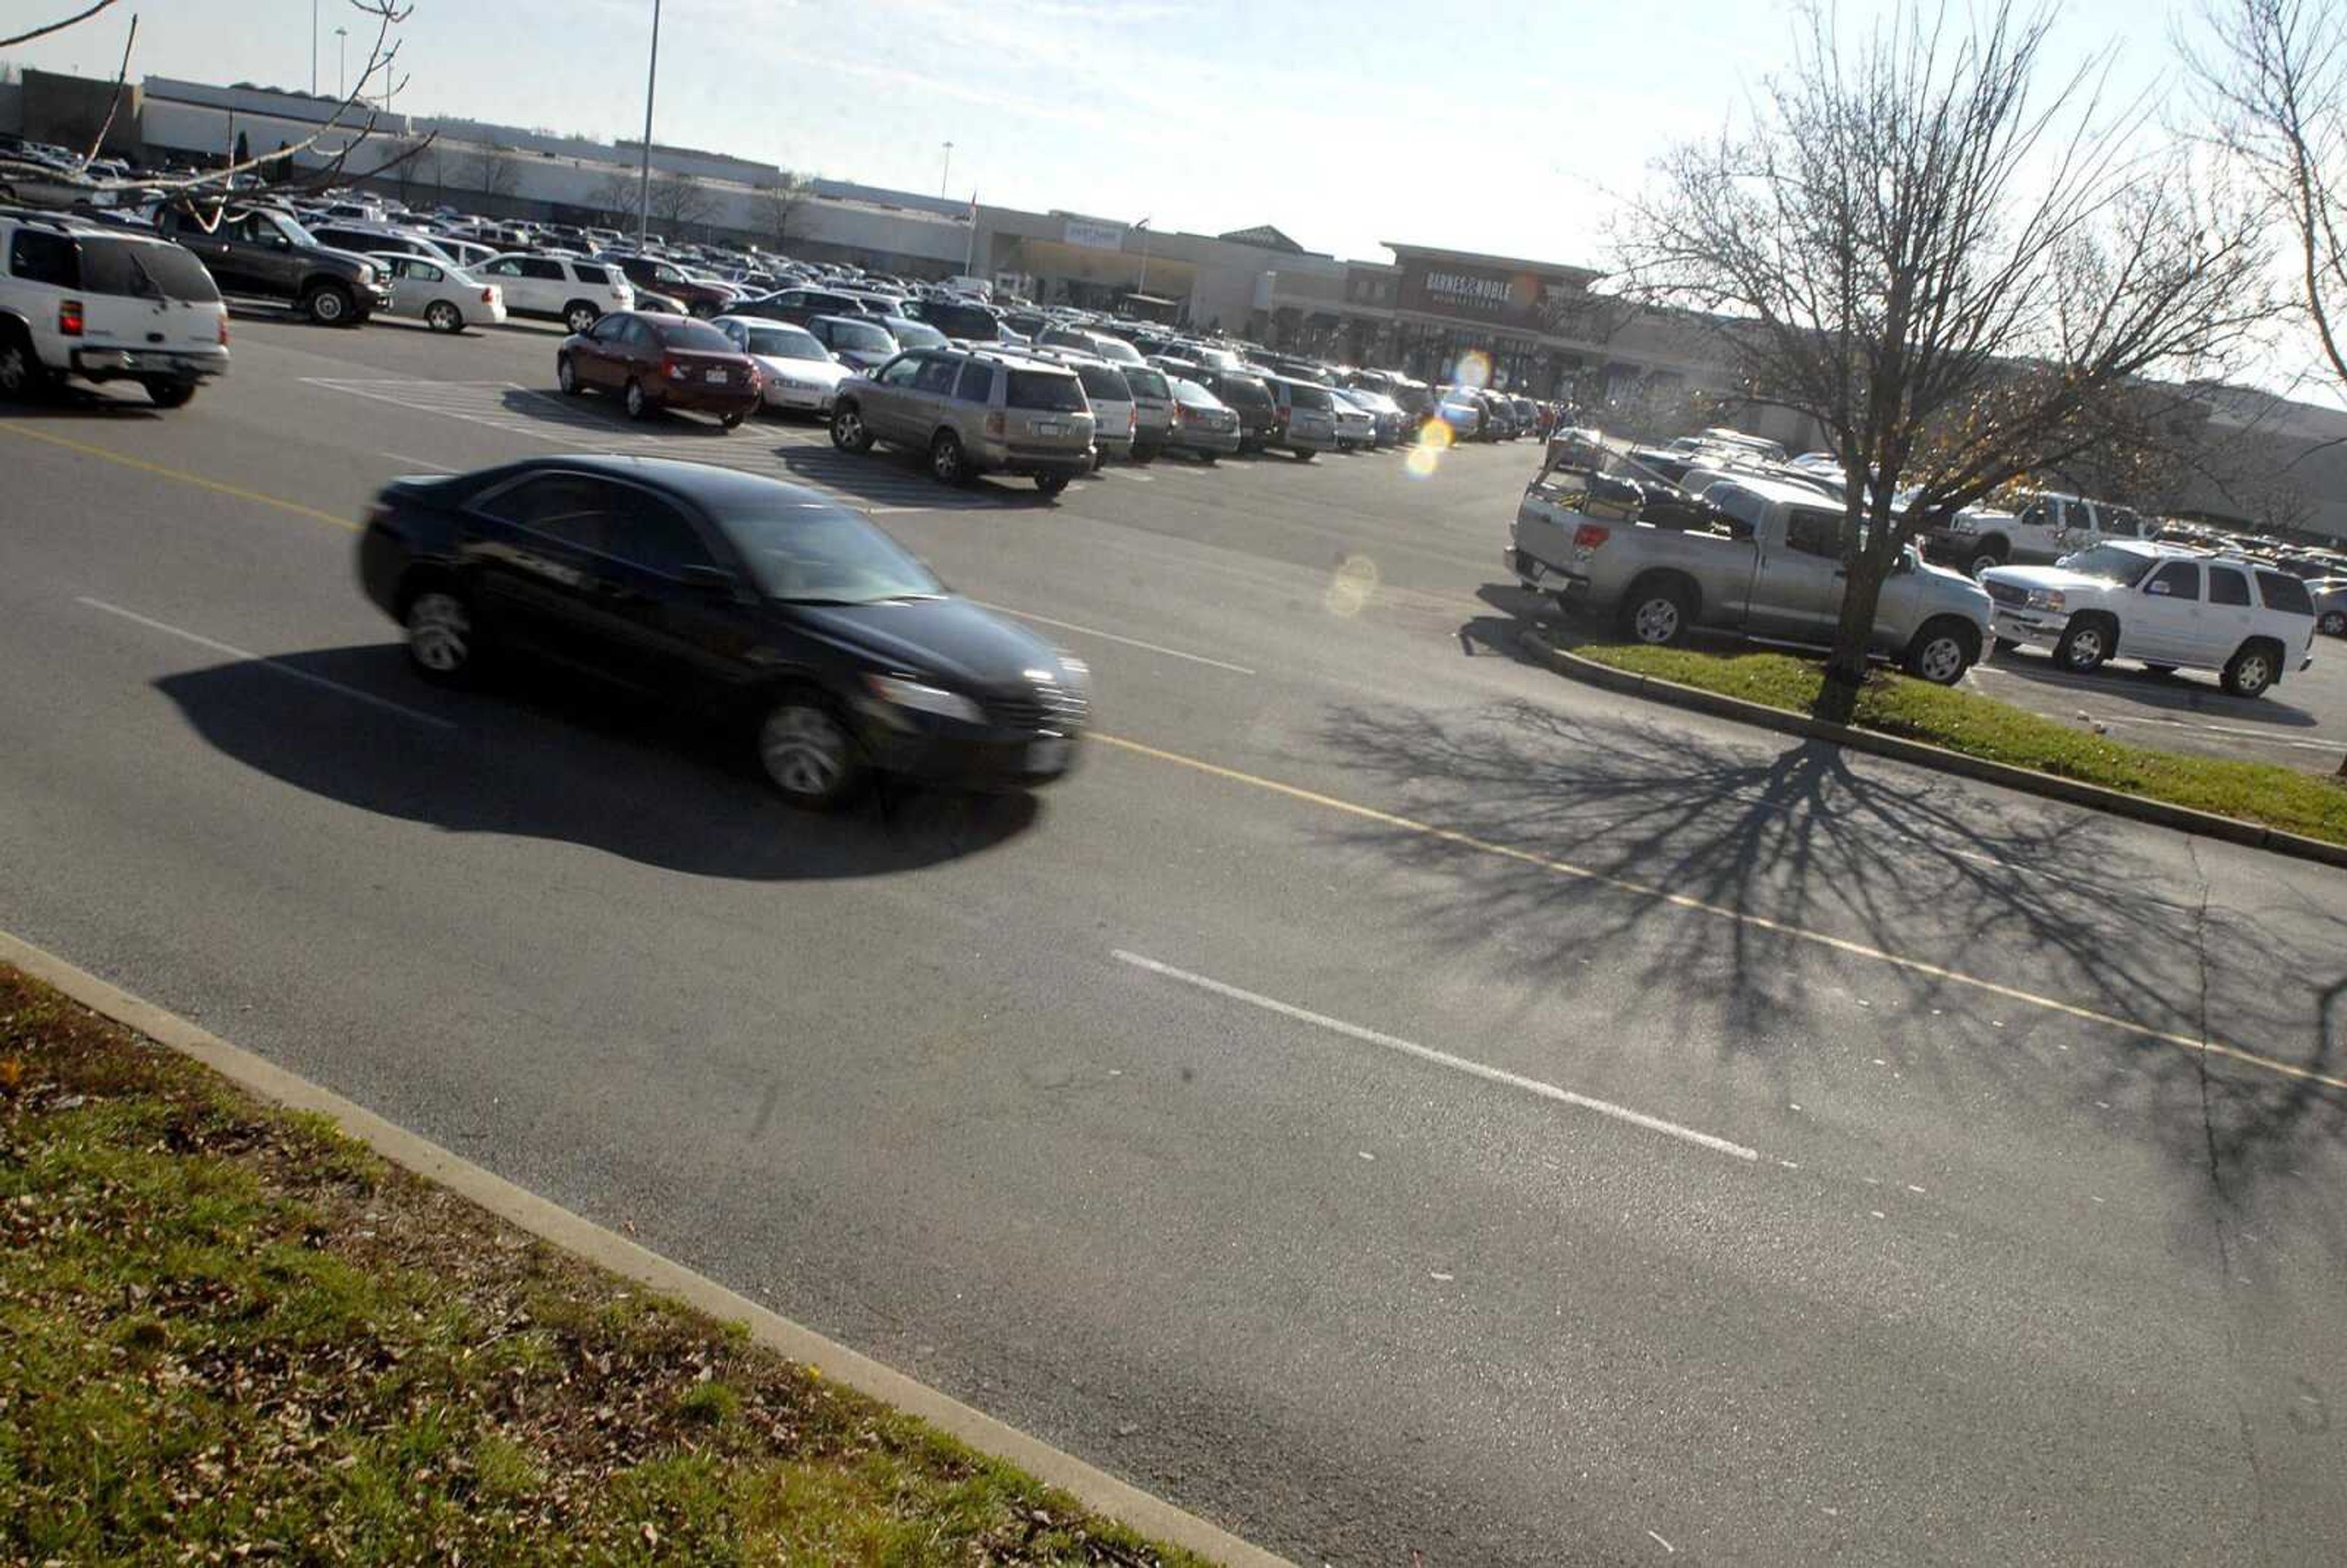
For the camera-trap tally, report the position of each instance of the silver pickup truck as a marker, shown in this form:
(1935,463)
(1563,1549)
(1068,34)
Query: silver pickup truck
(1760,558)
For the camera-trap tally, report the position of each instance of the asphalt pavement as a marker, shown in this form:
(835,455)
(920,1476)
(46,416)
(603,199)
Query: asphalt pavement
(1389,1098)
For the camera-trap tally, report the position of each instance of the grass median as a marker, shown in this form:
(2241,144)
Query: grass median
(2305,803)
(233,1335)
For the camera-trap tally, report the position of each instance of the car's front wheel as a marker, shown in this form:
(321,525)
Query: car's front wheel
(443,641)
(329,304)
(2085,645)
(1942,651)
(849,430)
(639,406)
(807,754)
(565,376)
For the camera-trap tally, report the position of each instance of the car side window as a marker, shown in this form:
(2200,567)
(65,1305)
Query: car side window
(899,371)
(2039,514)
(43,258)
(2228,586)
(649,533)
(2285,592)
(508,268)
(977,383)
(571,508)
(938,376)
(609,329)
(538,267)
(422,271)
(2176,580)
(637,334)
(1814,533)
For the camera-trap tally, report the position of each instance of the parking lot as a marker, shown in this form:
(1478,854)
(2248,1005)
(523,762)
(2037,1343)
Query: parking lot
(2298,724)
(1387,1099)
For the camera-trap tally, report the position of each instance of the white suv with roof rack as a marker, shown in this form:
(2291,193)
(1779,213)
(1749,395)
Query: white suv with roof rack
(2170,609)
(101,303)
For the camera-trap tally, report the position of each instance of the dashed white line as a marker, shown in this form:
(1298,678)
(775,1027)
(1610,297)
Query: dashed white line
(279,665)
(416,462)
(1112,637)
(1439,1058)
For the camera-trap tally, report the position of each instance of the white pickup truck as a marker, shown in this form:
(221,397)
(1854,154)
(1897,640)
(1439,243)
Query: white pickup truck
(2047,528)
(1755,556)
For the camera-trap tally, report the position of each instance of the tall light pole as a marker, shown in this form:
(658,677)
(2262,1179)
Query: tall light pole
(1143,227)
(313,49)
(644,181)
(342,60)
(945,174)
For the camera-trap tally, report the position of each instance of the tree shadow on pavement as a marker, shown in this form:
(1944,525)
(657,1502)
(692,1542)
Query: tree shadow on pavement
(1700,864)
(540,756)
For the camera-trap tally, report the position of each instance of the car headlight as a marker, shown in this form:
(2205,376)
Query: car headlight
(2045,599)
(900,693)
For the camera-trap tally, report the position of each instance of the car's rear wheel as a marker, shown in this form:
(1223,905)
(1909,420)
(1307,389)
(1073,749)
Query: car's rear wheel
(565,376)
(849,430)
(807,754)
(1050,484)
(443,317)
(947,460)
(168,392)
(733,421)
(639,406)
(2084,644)
(580,315)
(22,374)
(443,642)
(329,304)
(1303,453)
(2251,670)
(1655,614)
(1942,651)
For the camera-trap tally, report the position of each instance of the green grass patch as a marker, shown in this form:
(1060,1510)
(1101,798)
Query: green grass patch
(2312,803)
(231,1334)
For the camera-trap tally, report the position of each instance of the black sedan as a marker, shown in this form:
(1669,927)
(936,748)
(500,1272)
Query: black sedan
(766,605)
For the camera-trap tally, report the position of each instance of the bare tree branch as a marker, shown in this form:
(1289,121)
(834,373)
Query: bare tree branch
(114,104)
(44,32)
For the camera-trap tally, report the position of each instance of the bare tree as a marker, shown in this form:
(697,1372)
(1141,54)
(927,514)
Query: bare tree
(1952,272)
(779,206)
(680,201)
(615,194)
(492,171)
(354,119)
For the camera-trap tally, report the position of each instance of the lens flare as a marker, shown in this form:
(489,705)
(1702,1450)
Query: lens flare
(1434,439)
(1350,587)
(1474,369)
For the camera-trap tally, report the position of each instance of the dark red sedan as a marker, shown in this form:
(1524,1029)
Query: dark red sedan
(655,360)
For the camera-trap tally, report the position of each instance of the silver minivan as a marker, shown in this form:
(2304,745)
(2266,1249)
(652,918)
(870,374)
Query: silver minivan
(972,411)
(1305,416)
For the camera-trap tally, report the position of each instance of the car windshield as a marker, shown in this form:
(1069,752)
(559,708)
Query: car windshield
(813,552)
(1103,384)
(1046,391)
(1240,390)
(1190,394)
(862,336)
(292,230)
(1117,349)
(785,343)
(2109,563)
(694,337)
(914,334)
(1144,382)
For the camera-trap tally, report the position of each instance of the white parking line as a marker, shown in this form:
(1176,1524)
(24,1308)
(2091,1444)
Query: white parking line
(1441,1058)
(279,665)
(416,462)
(1111,636)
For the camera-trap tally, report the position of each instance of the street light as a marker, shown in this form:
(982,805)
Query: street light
(313,49)
(1142,228)
(945,175)
(341,58)
(644,181)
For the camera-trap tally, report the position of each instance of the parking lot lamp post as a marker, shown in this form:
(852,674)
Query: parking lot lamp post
(644,178)
(313,49)
(342,60)
(1142,287)
(946,174)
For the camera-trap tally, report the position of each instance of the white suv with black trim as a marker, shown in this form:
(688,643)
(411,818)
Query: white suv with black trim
(2169,608)
(98,303)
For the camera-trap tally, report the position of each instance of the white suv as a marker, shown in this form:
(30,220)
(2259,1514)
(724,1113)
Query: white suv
(2168,608)
(576,291)
(101,303)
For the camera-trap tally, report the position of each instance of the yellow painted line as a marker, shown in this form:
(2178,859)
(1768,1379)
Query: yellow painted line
(1428,830)
(1755,922)
(182,475)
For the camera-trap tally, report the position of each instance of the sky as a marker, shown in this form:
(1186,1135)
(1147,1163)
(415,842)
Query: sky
(1512,129)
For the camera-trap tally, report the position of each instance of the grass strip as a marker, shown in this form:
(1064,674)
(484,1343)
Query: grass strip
(2311,803)
(233,1335)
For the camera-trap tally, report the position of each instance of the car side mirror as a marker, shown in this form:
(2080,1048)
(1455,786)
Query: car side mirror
(713,580)
(2159,587)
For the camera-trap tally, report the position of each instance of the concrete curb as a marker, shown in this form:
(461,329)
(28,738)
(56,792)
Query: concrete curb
(2118,803)
(1095,1488)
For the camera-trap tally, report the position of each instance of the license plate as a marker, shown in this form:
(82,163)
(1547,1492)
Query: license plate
(1047,756)
(1047,428)
(715,376)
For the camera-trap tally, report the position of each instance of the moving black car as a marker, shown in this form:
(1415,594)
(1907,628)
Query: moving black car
(766,605)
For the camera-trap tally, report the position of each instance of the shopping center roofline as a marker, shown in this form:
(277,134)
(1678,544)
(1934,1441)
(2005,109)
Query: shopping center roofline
(1476,259)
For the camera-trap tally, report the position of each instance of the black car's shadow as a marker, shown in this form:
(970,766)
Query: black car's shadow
(890,478)
(2172,692)
(542,756)
(600,410)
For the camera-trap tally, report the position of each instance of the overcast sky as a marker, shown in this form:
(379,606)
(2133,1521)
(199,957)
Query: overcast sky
(1504,127)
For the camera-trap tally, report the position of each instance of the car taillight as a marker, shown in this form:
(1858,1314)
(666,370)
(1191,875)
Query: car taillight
(69,317)
(672,370)
(1589,536)
(996,425)
(223,329)
(1132,419)
(489,295)
(1174,414)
